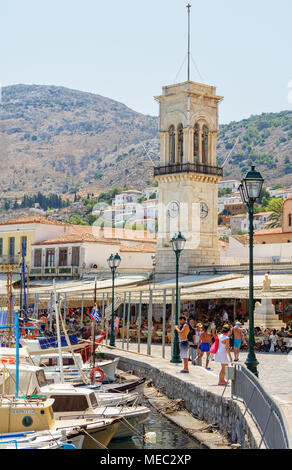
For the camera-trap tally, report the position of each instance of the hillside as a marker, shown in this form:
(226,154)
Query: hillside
(53,139)
(57,139)
(265,140)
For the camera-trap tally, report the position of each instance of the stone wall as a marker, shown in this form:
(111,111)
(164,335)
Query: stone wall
(209,407)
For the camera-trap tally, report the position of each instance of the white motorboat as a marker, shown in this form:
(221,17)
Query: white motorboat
(32,379)
(80,402)
(51,362)
(20,415)
(42,440)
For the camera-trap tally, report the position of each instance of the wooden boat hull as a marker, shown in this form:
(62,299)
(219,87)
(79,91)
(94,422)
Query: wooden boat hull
(136,386)
(99,439)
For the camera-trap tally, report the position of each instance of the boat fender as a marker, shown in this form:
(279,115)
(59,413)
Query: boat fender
(92,372)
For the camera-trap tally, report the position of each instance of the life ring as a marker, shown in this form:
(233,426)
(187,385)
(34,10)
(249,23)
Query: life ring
(7,360)
(96,369)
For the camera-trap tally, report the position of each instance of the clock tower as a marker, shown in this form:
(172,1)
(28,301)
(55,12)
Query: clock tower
(188,176)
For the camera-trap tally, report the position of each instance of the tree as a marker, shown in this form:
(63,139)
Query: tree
(264,197)
(275,206)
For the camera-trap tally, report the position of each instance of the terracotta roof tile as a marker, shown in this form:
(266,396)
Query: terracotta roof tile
(270,231)
(141,248)
(33,220)
(75,238)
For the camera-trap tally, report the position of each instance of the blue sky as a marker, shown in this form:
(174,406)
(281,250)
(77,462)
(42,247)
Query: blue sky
(128,50)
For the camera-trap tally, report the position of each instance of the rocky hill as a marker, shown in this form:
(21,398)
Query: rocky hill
(265,140)
(53,139)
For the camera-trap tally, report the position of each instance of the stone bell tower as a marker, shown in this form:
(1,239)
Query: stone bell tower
(188,176)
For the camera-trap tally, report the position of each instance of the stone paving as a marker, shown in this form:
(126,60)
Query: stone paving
(275,372)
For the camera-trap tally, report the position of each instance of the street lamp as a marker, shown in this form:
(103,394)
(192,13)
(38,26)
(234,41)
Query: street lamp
(178,244)
(114,262)
(250,190)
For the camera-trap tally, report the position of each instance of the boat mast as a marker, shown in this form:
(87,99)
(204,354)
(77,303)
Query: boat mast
(93,325)
(56,307)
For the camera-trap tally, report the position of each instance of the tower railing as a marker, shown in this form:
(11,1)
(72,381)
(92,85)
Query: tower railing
(188,168)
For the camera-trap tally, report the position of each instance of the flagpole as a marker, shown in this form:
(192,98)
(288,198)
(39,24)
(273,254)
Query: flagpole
(56,307)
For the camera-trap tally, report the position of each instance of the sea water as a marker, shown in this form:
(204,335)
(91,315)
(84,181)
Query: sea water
(168,435)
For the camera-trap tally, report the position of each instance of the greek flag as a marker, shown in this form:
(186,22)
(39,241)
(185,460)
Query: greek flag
(94,314)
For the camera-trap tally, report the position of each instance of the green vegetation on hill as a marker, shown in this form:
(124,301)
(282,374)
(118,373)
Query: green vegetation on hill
(264,140)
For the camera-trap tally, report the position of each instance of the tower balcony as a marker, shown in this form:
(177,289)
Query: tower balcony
(188,168)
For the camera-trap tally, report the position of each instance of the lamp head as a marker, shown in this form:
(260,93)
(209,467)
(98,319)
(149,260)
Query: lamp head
(178,243)
(252,184)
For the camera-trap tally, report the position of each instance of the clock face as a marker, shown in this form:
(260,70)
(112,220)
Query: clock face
(173,210)
(203,210)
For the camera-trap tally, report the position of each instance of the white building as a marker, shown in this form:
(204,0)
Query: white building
(232,184)
(130,196)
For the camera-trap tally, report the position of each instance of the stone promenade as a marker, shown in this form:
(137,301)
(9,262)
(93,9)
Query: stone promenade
(275,372)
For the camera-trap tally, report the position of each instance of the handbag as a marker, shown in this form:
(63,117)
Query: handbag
(215,346)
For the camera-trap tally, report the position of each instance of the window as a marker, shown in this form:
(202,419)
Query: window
(171,144)
(23,244)
(196,143)
(63,255)
(38,258)
(290,220)
(205,134)
(11,246)
(64,403)
(75,255)
(1,246)
(50,257)
(180,130)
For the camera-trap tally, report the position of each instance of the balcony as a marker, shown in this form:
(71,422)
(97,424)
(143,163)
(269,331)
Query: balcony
(9,259)
(59,271)
(188,168)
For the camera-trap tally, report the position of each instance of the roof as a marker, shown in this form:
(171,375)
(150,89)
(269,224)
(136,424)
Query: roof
(270,231)
(33,220)
(238,216)
(75,238)
(141,248)
(263,213)
(115,233)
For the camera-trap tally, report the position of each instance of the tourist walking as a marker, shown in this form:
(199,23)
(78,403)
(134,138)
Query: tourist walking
(238,339)
(191,339)
(223,354)
(183,331)
(204,346)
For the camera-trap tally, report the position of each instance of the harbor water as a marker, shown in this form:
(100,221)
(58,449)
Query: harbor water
(168,435)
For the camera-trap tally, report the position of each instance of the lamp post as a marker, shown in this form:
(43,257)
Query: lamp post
(178,244)
(114,262)
(250,190)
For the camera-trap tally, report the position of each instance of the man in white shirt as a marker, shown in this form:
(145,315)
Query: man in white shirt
(225,316)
